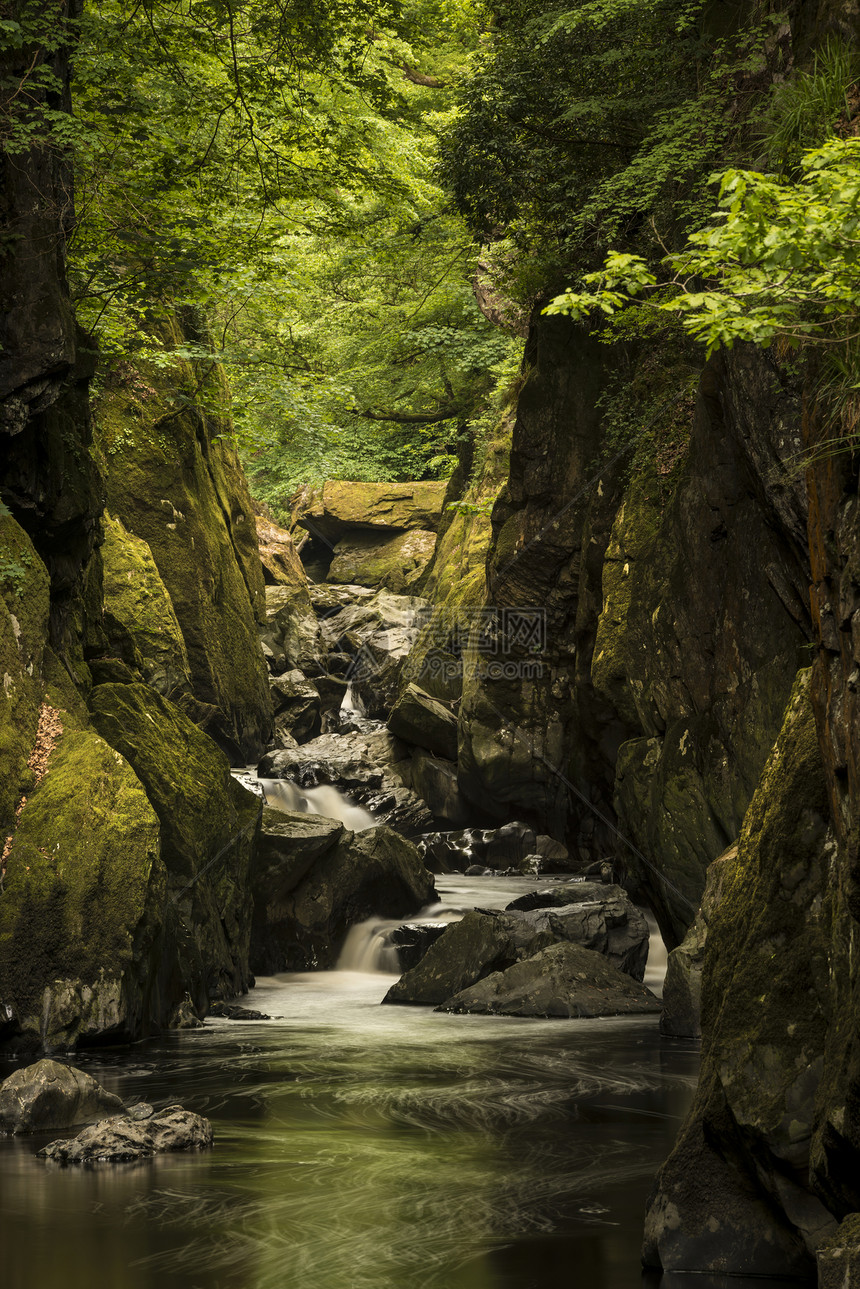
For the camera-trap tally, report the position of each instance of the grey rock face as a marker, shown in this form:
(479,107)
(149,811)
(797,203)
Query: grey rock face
(564,980)
(51,1095)
(424,721)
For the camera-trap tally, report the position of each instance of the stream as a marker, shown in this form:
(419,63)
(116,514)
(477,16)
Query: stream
(367,1147)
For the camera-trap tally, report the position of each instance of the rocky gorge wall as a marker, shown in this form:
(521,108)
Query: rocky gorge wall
(126,842)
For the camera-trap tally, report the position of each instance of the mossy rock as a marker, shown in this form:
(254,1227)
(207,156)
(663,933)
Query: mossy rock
(396,564)
(765,1016)
(209,823)
(82,916)
(24,611)
(139,621)
(175,483)
(343,506)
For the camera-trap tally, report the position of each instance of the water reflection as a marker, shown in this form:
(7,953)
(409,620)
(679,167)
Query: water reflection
(366,1147)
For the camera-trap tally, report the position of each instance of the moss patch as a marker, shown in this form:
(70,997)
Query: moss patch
(84,876)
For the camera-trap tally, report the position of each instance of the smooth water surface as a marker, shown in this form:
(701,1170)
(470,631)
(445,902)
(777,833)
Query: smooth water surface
(361,1146)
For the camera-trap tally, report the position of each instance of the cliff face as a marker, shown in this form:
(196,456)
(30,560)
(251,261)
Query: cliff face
(674,591)
(122,886)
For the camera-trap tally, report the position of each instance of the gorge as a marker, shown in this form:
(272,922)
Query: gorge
(416,759)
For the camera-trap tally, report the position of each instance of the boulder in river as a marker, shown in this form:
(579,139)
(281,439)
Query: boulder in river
(51,1095)
(291,636)
(486,941)
(366,873)
(131,1136)
(483,942)
(562,980)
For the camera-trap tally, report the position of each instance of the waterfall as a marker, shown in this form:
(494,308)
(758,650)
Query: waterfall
(368,947)
(325,800)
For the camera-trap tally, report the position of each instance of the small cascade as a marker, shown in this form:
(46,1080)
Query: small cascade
(324,800)
(368,947)
(655,970)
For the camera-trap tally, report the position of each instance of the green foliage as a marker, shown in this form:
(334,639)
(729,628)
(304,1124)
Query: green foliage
(808,106)
(589,123)
(266,166)
(780,261)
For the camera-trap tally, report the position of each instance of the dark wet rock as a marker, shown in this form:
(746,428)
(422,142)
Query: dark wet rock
(734,1194)
(682,987)
(369,766)
(424,721)
(435,781)
(296,705)
(613,927)
(481,943)
(184,1016)
(124,1138)
(290,843)
(478,870)
(413,939)
(50,1095)
(232,1011)
(375,872)
(563,980)
(838,1259)
(498,848)
(566,893)
(486,941)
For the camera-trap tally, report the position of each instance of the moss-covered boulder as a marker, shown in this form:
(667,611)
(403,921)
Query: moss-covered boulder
(342,506)
(396,564)
(138,617)
(209,823)
(174,482)
(24,611)
(735,1195)
(82,914)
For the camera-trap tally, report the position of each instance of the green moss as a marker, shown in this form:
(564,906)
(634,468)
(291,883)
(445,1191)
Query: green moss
(208,822)
(766,979)
(139,620)
(83,876)
(397,565)
(24,608)
(174,482)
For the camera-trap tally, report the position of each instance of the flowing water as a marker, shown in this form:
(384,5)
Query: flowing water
(361,1146)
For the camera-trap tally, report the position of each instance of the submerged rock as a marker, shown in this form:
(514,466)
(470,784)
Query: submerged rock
(132,1136)
(232,1011)
(50,1095)
(562,980)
